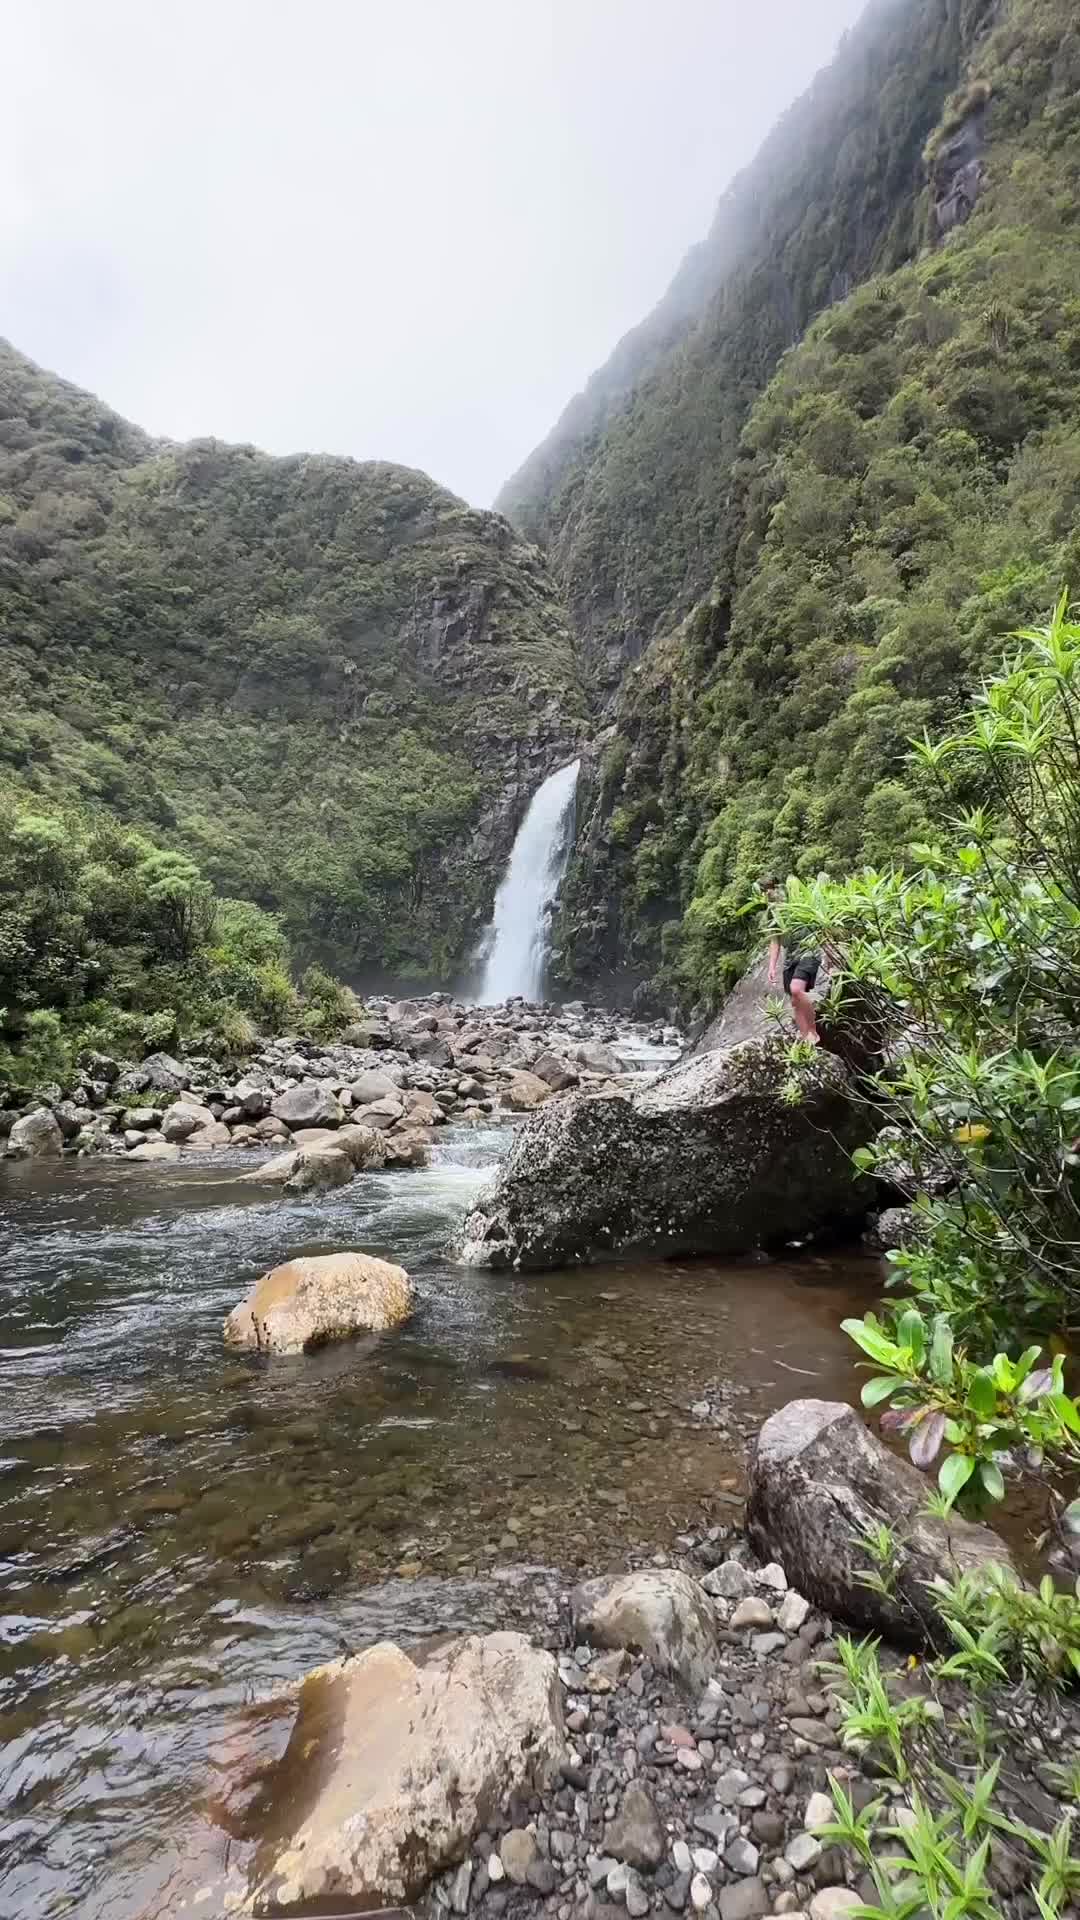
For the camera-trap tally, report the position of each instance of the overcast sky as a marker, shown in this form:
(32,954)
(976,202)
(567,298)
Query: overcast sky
(399,229)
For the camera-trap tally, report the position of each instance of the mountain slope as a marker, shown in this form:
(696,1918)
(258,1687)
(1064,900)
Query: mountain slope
(332,683)
(906,490)
(630,491)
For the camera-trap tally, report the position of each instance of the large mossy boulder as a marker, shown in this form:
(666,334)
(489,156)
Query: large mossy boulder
(820,1484)
(730,1151)
(308,1303)
(394,1767)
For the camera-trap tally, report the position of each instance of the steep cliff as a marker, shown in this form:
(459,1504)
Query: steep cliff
(630,491)
(332,683)
(871,522)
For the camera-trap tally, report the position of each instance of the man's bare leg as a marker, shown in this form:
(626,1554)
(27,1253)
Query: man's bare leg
(803,1008)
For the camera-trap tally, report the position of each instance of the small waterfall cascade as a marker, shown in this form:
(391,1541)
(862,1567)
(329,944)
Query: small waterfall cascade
(515,947)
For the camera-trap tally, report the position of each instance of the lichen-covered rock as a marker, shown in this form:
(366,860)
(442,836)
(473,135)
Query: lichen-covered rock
(36,1136)
(392,1768)
(309,1302)
(729,1151)
(820,1482)
(663,1614)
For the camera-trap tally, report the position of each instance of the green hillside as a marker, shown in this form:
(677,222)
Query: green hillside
(331,684)
(905,491)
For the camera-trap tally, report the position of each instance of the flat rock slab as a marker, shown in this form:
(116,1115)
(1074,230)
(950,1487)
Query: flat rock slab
(393,1767)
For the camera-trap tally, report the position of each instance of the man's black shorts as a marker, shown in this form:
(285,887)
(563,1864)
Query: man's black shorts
(805,967)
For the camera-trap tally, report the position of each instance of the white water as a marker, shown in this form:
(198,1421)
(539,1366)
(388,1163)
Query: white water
(516,945)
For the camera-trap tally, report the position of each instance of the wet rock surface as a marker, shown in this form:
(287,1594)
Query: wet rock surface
(728,1151)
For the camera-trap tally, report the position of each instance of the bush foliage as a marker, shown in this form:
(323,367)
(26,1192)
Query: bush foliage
(112,943)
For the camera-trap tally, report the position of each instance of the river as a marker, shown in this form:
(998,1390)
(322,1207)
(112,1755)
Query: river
(180,1530)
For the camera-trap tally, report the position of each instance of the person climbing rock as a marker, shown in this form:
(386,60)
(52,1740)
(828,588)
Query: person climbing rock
(800,972)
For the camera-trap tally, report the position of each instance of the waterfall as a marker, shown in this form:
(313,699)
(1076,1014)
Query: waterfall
(516,943)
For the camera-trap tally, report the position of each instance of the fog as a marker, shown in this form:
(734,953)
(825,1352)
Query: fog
(398,229)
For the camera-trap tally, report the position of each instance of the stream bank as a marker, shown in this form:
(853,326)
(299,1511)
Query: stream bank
(180,1530)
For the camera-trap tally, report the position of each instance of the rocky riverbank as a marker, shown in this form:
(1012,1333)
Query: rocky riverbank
(664,1745)
(376,1097)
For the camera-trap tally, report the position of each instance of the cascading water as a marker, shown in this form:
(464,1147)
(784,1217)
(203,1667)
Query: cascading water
(516,944)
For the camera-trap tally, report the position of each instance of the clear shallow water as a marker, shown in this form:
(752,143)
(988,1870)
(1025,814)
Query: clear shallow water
(181,1530)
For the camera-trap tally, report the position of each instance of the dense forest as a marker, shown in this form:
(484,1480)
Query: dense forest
(320,680)
(904,492)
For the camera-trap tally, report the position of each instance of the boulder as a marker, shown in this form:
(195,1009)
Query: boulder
(596,1058)
(159,1073)
(524,1091)
(70,1117)
(383,1113)
(365,1147)
(216,1134)
(309,1302)
(423,1110)
(665,1615)
(715,1157)
(392,1769)
(310,1138)
(895,1227)
(253,1101)
(408,1148)
(156,1150)
(557,1072)
(819,1482)
(319,1169)
(372,1035)
(183,1118)
(36,1136)
(142,1119)
(376,1084)
(307,1106)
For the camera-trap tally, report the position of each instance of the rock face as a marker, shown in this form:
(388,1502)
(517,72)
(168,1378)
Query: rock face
(713,1158)
(819,1482)
(665,1615)
(392,1768)
(37,1136)
(309,1302)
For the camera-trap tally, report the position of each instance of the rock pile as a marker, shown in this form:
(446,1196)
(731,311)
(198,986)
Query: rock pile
(400,1073)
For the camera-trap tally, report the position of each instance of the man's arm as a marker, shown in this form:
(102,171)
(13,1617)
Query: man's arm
(774,960)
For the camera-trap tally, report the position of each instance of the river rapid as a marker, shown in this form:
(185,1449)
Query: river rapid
(182,1531)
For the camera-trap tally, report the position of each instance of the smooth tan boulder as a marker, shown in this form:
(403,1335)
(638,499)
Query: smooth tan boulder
(328,1296)
(392,1769)
(408,1148)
